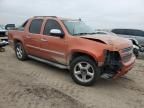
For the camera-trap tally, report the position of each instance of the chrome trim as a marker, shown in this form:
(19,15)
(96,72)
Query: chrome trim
(51,51)
(49,62)
(82,71)
(3,37)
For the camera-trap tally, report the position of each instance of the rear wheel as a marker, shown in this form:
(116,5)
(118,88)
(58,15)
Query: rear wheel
(20,52)
(84,71)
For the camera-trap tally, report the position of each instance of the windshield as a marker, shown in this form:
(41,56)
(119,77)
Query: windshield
(77,27)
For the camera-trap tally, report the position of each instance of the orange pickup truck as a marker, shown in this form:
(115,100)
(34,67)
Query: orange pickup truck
(71,44)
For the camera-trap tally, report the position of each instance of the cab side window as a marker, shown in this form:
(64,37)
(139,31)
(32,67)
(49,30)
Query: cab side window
(51,24)
(35,26)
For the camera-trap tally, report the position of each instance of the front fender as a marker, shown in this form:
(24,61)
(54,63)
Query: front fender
(98,56)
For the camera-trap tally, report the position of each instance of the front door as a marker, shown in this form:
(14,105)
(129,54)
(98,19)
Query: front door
(53,47)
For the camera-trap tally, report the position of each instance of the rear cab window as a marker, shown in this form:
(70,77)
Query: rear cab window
(35,26)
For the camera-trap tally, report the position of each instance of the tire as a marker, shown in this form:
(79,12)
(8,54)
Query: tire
(20,52)
(84,71)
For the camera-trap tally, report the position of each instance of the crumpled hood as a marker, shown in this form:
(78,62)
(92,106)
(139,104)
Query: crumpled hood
(115,41)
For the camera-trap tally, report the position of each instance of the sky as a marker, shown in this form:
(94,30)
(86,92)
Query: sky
(100,14)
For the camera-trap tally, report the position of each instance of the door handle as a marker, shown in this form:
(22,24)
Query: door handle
(28,37)
(44,40)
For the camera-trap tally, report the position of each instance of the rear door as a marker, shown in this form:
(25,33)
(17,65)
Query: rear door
(33,37)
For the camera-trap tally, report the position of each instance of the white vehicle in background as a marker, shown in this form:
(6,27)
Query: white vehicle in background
(136,46)
(137,37)
(3,34)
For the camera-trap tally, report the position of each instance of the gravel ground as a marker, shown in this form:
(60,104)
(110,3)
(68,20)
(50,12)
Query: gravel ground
(31,84)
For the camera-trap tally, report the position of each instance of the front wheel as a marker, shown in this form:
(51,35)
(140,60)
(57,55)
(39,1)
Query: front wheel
(84,71)
(20,52)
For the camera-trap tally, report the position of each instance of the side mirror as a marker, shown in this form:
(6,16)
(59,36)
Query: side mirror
(56,32)
(10,26)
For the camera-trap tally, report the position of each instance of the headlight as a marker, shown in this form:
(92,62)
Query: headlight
(135,47)
(136,41)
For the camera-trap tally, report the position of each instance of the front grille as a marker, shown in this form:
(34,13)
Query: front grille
(112,62)
(112,58)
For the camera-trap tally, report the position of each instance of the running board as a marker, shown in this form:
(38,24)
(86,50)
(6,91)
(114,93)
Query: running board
(106,76)
(49,62)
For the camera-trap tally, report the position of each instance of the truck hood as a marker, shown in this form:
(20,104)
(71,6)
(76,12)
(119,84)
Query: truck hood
(114,41)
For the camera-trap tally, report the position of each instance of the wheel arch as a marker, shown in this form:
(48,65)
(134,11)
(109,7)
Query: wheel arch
(75,54)
(16,41)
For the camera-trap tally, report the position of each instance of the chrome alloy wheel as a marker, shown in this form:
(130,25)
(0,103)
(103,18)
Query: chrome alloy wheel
(19,51)
(84,72)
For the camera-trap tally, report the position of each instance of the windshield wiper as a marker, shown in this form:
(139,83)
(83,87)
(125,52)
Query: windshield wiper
(81,34)
(92,33)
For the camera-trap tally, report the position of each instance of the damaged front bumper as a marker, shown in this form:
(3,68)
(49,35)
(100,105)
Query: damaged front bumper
(125,68)
(117,63)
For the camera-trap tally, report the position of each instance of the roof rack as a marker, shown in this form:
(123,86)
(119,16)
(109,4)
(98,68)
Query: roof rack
(45,16)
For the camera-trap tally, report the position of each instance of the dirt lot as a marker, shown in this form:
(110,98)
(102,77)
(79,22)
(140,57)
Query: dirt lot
(31,84)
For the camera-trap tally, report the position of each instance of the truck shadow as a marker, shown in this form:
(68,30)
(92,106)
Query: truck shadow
(48,67)
(64,73)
